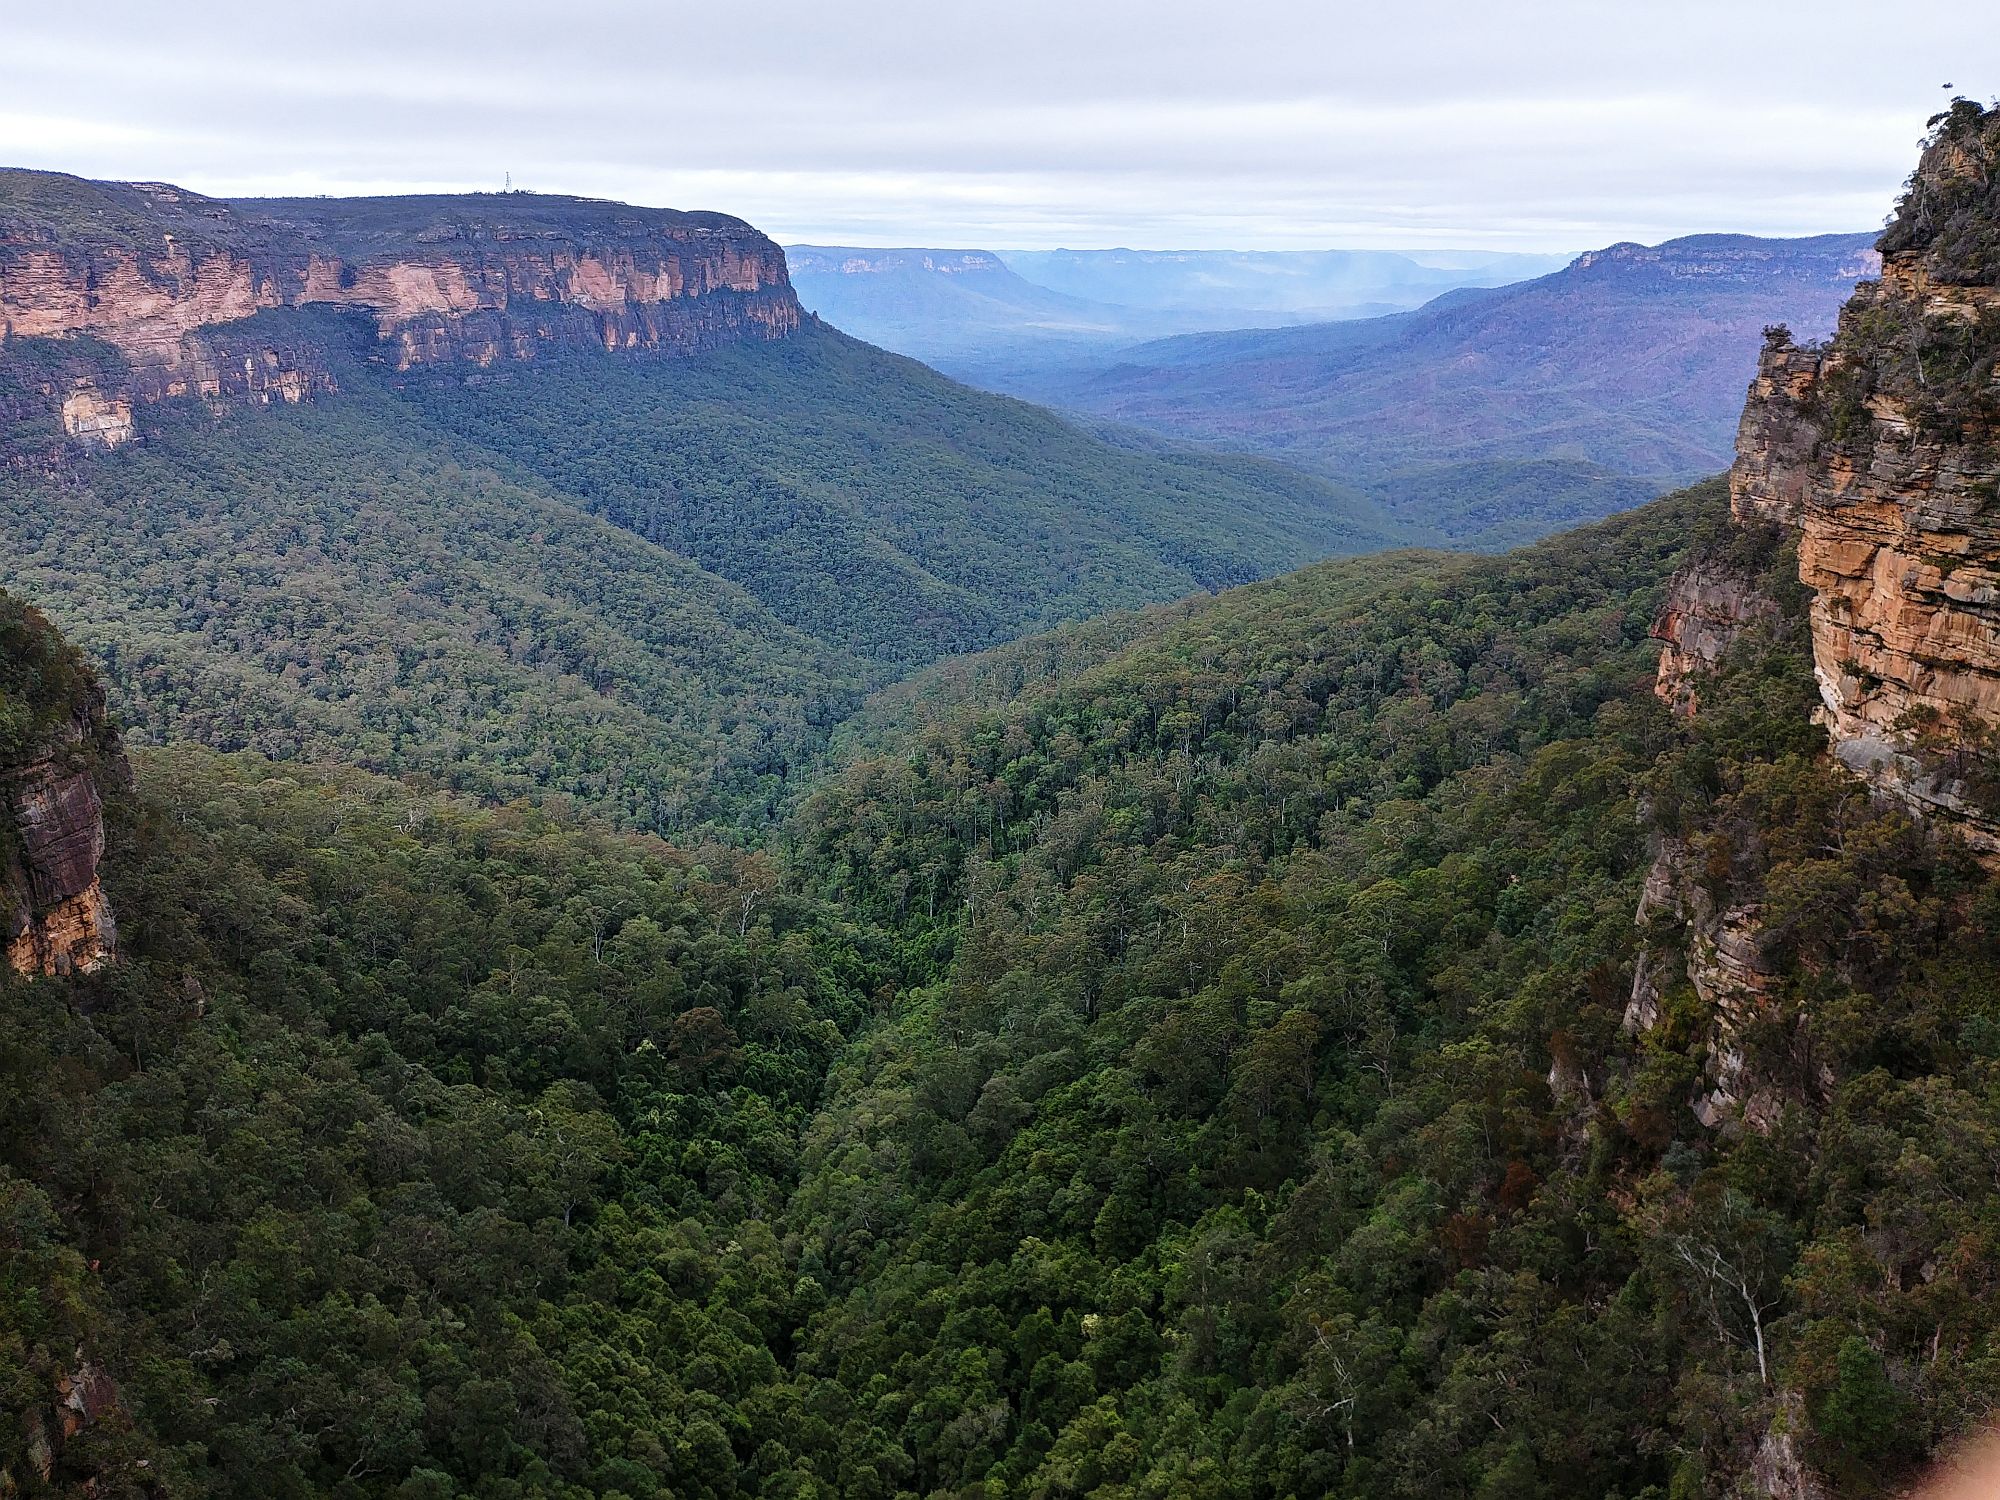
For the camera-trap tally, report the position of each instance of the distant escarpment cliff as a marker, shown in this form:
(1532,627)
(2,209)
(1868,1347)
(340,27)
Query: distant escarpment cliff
(164,279)
(59,757)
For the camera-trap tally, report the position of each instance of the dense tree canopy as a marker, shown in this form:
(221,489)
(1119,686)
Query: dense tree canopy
(621,581)
(1184,1056)
(413,1145)
(893,512)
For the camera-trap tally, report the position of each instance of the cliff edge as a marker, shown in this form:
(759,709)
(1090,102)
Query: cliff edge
(1876,458)
(59,756)
(1882,449)
(165,278)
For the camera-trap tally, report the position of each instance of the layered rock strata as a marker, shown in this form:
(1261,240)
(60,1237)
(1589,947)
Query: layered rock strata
(167,278)
(54,915)
(1883,450)
(1880,452)
(1710,605)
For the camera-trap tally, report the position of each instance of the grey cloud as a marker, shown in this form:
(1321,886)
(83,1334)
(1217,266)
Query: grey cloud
(1546,125)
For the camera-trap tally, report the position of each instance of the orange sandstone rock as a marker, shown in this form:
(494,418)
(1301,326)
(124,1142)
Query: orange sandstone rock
(54,916)
(1884,450)
(162,275)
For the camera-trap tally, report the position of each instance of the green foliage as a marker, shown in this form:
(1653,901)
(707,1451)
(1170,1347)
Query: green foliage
(72,213)
(1292,941)
(1491,505)
(624,581)
(33,374)
(1951,206)
(1264,928)
(330,582)
(54,208)
(1865,1418)
(1939,367)
(1184,1056)
(382,1164)
(43,679)
(883,508)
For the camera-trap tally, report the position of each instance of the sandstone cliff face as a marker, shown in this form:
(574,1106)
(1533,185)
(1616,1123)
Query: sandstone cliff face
(1880,453)
(54,916)
(1696,923)
(59,756)
(1883,449)
(161,275)
(1709,606)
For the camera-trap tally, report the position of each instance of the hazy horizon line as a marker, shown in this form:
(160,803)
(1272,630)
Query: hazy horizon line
(1403,240)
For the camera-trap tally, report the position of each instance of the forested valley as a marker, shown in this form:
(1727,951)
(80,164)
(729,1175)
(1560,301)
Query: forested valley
(1198,1070)
(564,936)
(624,583)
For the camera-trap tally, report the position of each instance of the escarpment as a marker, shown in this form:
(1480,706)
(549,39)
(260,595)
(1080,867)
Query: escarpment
(167,281)
(1883,449)
(1877,457)
(59,756)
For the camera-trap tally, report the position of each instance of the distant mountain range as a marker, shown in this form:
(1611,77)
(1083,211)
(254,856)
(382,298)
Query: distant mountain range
(1488,415)
(993,318)
(1301,285)
(944,305)
(1495,415)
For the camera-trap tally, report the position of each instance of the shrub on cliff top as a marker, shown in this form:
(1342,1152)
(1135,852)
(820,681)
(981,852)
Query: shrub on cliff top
(41,676)
(1950,210)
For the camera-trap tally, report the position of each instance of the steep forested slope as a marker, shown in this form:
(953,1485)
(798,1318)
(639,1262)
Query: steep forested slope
(1185,1057)
(411,1149)
(1276,1128)
(885,509)
(537,494)
(650,584)
(333,582)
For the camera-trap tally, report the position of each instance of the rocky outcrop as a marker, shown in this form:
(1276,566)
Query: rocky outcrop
(1880,453)
(1779,434)
(1695,922)
(1776,1467)
(54,915)
(83,1395)
(168,278)
(94,417)
(1710,604)
(1883,449)
(59,758)
(1720,948)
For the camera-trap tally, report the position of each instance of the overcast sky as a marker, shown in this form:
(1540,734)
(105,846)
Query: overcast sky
(1023,123)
